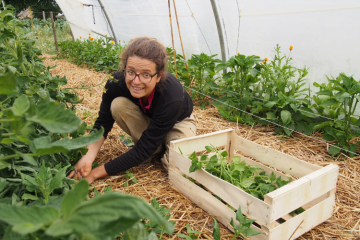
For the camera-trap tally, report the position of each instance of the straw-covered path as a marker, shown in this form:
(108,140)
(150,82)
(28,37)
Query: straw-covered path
(153,179)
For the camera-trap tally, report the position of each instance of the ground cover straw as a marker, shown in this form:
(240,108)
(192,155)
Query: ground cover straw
(153,179)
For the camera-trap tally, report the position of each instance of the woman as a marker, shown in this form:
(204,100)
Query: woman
(148,103)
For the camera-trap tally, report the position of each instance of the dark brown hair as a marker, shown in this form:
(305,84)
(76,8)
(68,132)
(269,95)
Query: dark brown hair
(147,48)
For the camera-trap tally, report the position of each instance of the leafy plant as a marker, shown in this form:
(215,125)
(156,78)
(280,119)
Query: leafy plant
(249,178)
(192,234)
(102,217)
(237,85)
(154,227)
(126,139)
(130,178)
(100,54)
(280,98)
(341,95)
(244,228)
(202,68)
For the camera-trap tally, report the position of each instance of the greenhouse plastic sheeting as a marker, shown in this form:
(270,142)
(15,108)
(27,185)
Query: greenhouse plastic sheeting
(324,33)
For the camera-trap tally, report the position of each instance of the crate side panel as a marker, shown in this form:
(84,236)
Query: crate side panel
(206,201)
(198,143)
(274,158)
(295,194)
(304,221)
(250,205)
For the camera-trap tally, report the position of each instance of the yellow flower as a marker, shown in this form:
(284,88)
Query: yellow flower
(89,33)
(105,35)
(80,36)
(131,40)
(91,39)
(265,60)
(111,77)
(112,42)
(291,48)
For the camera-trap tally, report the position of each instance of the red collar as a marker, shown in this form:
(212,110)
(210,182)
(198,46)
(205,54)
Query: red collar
(149,100)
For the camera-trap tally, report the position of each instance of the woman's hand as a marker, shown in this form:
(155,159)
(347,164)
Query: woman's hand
(96,173)
(83,167)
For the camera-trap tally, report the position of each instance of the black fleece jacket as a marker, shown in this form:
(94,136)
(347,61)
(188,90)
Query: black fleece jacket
(170,104)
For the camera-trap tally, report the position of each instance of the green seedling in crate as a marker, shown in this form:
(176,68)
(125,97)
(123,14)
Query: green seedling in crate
(252,179)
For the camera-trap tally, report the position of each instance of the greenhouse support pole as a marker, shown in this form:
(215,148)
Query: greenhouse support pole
(108,20)
(54,30)
(220,32)
(182,47)
(172,38)
(43,12)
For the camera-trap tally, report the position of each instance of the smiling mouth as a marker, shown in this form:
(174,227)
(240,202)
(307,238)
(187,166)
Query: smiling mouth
(136,88)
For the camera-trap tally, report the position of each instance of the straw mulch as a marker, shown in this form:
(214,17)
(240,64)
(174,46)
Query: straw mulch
(153,179)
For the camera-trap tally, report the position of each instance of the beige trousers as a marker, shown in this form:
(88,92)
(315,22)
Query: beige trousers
(130,119)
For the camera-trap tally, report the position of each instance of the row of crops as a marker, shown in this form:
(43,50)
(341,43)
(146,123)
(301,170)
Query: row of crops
(253,90)
(40,138)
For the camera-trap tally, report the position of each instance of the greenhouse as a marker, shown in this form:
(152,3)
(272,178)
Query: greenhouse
(233,120)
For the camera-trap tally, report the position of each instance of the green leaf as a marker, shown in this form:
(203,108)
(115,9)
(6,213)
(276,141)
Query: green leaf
(344,95)
(21,105)
(216,231)
(7,83)
(271,116)
(326,92)
(269,104)
(28,219)
(329,102)
(355,89)
(44,146)
(57,180)
(328,137)
(29,196)
(208,148)
(285,117)
(322,125)
(333,150)
(246,182)
(118,210)
(55,119)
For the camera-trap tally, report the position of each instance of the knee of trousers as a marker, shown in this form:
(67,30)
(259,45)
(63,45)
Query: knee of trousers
(121,106)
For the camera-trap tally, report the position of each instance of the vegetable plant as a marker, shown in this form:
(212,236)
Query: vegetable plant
(69,216)
(343,93)
(249,178)
(237,85)
(202,68)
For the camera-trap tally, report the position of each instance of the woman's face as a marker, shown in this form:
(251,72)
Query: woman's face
(139,66)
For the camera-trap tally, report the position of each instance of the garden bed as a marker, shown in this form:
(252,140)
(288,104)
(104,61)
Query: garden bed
(152,181)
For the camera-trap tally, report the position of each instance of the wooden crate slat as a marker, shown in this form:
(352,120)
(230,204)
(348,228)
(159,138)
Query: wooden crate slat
(274,158)
(198,143)
(302,191)
(206,201)
(234,196)
(308,220)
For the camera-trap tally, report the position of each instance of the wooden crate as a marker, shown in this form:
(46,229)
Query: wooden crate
(314,190)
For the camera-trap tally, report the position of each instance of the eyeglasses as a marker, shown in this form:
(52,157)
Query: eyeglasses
(143,77)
